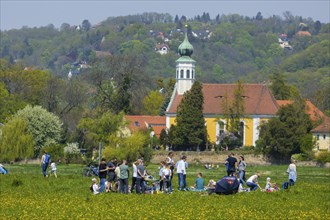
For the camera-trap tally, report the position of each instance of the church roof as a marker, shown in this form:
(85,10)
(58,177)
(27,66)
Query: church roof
(258,100)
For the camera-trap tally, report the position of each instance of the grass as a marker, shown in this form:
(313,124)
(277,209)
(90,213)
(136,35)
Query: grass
(26,194)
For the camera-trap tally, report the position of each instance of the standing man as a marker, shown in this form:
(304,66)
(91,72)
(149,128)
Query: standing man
(103,169)
(111,173)
(141,171)
(232,164)
(124,173)
(181,170)
(44,163)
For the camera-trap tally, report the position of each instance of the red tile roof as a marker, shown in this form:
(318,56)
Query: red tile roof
(324,127)
(313,112)
(141,122)
(258,100)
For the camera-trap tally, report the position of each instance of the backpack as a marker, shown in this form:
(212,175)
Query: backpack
(285,185)
(91,188)
(47,158)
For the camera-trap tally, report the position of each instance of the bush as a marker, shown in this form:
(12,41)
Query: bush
(323,157)
(71,152)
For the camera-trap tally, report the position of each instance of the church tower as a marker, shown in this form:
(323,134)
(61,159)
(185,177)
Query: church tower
(185,67)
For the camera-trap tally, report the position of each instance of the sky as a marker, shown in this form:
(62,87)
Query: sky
(18,13)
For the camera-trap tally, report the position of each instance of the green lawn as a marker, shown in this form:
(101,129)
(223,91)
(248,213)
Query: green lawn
(26,194)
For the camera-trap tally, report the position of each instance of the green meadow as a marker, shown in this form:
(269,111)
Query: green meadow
(26,194)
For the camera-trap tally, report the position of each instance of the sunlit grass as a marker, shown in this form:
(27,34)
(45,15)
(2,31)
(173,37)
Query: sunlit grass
(26,194)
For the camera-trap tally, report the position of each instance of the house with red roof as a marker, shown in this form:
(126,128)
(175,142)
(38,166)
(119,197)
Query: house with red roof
(145,122)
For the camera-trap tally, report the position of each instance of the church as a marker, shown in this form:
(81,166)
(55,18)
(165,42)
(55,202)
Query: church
(259,103)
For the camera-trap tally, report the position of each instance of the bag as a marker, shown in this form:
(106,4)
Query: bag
(285,185)
(47,158)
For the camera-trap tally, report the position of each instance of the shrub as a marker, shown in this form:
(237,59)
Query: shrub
(323,157)
(71,151)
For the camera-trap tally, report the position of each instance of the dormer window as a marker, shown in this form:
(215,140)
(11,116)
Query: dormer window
(137,124)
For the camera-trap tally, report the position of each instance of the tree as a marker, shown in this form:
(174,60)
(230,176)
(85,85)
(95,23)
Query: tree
(45,127)
(259,16)
(86,25)
(98,127)
(233,112)
(286,134)
(190,131)
(16,142)
(279,87)
(9,103)
(152,102)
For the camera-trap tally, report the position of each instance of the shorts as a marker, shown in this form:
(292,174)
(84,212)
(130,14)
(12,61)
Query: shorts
(111,177)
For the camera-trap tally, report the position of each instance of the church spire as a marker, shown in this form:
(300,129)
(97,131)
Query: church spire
(185,48)
(185,66)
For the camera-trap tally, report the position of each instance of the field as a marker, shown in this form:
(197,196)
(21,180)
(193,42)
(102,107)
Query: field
(26,194)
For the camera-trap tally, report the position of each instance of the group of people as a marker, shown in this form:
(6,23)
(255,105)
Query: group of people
(114,176)
(232,165)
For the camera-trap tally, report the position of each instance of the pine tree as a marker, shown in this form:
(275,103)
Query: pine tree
(190,131)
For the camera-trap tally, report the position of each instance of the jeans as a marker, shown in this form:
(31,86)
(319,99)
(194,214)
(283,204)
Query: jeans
(167,184)
(102,184)
(241,174)
(140,185)
(133,183)
(184,181)
(44,168)
(124,186)
(252,186)
(181,179)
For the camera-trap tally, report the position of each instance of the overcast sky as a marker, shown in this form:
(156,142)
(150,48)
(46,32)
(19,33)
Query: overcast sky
(19,13)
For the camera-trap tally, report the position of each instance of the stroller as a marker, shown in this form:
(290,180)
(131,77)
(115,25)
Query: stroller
(227,185)
(90,170)
(3,170)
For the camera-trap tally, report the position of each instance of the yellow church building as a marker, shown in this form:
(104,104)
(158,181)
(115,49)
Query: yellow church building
(259,103)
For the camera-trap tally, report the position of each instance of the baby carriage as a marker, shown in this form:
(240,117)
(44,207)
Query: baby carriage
(151,184)
(3,170)
(90,170)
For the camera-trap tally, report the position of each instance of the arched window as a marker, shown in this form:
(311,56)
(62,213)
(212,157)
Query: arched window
(188,74)
(220,129)
(177,74)
(181,74)
(241,131)
(192,74)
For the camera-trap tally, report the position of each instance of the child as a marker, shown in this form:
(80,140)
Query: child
(269,186)
(161,168)
(53,166)
(166,177)
(94,187)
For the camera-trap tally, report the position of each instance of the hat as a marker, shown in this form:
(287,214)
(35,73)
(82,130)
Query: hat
(94,180)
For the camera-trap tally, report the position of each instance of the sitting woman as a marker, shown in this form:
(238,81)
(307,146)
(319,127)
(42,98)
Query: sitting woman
(199,183)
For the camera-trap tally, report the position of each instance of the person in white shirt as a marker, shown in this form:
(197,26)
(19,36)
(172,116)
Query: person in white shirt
(134,175)
(181,170)
(292,171)
(252,182)
(95,187)
(53,171)
(166,178)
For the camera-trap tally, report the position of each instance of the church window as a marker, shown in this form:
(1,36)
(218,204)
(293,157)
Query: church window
(188,74)
(181,74)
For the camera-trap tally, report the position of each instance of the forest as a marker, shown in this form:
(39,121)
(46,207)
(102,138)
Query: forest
(83,71)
